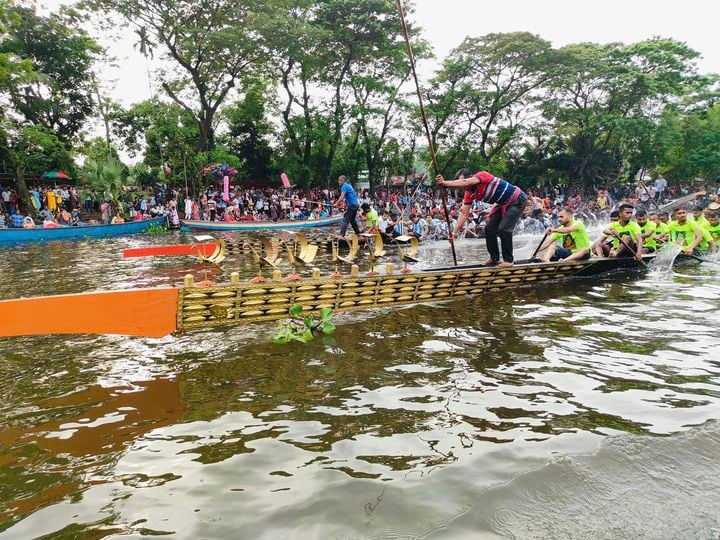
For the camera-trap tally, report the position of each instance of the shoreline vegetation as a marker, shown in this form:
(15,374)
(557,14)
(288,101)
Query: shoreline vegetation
(324,89)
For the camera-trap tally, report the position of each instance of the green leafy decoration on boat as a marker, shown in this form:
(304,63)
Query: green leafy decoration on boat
(304,327)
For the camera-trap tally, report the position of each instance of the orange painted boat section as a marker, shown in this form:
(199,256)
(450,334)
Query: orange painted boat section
(134,312)
(206,250)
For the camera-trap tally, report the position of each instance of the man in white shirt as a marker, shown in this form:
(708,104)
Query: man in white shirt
(384,222)
(660,186)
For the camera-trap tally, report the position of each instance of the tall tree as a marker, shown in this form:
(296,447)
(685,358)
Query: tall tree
(165,134)
(487,92)
(23,147)
(319,44)
(248,131)
(60,97)
(607,98)
(210,43)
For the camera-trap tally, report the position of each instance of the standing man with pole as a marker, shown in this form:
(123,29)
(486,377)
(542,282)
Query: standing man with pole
(509,201)
(408,47)
(347,194)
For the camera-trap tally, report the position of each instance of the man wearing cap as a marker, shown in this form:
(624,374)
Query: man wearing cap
(509,201)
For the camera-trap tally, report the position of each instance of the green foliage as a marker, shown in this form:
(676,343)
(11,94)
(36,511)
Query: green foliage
(40,150)
(691,144)
(303,327)
(249,131)
(60,95)
(607,101)
(155,229)
(486,94)
(210,47)
(327,46)
(111,178)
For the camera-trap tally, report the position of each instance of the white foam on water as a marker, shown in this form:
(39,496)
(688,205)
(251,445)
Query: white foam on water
(661,267)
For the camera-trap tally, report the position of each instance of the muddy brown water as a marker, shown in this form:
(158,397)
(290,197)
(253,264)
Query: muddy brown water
(579,409)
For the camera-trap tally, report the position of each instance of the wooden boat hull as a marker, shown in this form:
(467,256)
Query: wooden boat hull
(155,312)
(38,234)
(218,226)
(239,304)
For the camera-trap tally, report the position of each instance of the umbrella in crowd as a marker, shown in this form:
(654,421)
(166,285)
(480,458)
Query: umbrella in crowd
(55,175)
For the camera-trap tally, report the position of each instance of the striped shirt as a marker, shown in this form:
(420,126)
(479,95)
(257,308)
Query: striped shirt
(491,190)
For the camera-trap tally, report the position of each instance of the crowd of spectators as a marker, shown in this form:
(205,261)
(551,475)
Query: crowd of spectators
(414,209)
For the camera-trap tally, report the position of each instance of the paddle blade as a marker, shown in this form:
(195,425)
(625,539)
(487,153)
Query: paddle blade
(134,312)
(180,249)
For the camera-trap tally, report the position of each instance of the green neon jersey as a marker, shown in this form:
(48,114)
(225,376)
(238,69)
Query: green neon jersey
(574,240)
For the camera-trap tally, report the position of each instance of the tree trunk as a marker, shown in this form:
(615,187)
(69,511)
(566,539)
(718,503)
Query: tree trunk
(24,198)
(205,139)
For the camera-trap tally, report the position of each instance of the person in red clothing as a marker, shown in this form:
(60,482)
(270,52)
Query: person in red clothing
(509,201)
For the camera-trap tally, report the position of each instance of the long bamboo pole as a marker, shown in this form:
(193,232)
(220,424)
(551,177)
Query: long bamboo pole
(443,196)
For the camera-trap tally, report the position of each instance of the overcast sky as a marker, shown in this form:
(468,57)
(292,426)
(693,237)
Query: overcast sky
(447,22)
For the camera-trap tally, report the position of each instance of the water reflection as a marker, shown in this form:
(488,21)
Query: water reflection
(402,423)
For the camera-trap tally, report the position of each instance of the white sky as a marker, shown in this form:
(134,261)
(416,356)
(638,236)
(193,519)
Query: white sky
(695,22)
(447,22)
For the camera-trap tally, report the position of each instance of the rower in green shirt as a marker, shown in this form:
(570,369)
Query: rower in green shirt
(713,226)
(647,228)
(371,218)
(660,227)
(710,233)
(687,233)
(574,238)
(698,216)
(625,233)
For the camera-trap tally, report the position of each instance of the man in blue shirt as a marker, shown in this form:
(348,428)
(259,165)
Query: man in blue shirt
(347,194)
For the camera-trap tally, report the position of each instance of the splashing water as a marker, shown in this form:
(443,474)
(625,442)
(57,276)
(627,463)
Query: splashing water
(661,267)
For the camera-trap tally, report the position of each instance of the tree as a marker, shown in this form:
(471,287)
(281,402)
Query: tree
(606,99)
(165,134)
(691,144)
(319,45)
(487,93)
(212,45)
(110,177)
(380,106)
(60,95)
(248,131)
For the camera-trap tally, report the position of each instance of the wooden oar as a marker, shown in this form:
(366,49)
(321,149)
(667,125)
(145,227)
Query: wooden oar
(627,246)
(539,246)
(431,148)
(148,312)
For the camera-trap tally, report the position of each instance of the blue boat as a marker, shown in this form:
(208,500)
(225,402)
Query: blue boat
(218,226)
(39,234)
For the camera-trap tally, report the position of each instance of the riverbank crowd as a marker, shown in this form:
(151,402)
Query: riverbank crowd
(414,209)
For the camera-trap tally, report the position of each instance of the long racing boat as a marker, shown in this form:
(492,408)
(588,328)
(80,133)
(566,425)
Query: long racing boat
(156,312)
(40,234)
(218,226)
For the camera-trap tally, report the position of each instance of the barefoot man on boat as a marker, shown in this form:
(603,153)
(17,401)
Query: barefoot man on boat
(509,201)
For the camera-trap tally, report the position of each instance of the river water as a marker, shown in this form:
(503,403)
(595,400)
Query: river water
(582,409)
